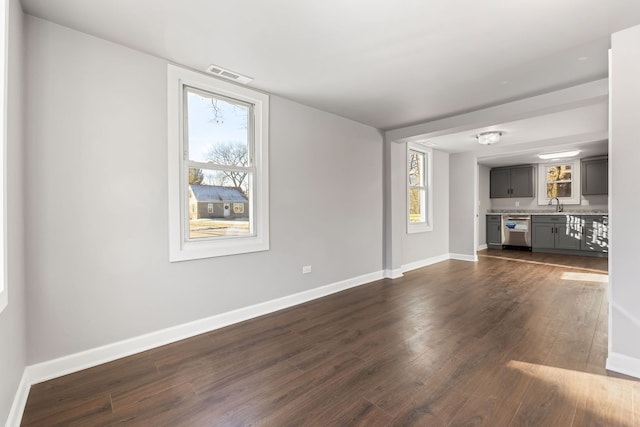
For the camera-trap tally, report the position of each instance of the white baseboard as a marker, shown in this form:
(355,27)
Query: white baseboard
(86,359)
(623,364)
(482,247)
(19,401)
(463,257)
(393,274)
(424,262)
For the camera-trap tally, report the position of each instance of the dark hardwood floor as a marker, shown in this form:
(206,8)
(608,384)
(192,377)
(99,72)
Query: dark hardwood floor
(514,339)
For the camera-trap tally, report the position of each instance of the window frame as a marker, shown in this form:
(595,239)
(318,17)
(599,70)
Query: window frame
(576,191)
(427,179)
(181,247)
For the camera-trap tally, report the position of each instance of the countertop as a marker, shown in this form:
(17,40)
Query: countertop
(547,212)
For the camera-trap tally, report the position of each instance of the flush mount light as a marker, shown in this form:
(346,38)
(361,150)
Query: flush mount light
(488,138)
(561,155)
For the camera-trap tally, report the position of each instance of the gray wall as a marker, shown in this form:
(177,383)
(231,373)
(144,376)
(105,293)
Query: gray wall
(421,246)
(624,152)
(98,131)
(463,190)
(13,319)
(484,203)
(395,159)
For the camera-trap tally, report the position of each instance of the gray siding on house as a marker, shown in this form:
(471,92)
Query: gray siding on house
(218,210)
(200,196)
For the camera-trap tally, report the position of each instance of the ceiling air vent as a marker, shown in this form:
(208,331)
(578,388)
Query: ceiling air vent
(226,74)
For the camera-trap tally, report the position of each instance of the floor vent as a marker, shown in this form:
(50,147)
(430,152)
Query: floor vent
(230,75)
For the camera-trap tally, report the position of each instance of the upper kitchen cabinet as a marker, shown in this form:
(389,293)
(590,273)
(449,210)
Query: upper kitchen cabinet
(595,175)
(512,181)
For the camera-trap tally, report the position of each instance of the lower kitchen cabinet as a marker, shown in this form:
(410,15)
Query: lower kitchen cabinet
(542,235)
(570,234)
(494,231)
(595,234)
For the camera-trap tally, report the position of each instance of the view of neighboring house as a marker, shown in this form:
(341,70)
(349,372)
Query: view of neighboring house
(215,201)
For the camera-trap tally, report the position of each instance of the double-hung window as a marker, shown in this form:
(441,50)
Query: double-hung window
(561,180)
(218,167)
(419,188)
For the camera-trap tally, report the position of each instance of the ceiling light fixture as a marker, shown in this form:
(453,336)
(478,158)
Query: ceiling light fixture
(563,154)
(488,138)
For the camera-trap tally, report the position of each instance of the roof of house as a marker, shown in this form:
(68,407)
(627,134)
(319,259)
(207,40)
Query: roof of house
(216,193)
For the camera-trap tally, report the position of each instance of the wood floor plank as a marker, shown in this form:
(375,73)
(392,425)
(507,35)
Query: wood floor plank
(517,338)
(170,407)
(604,402)
(360,413)
(551,400)
(291,401)
(486,411)
(636,404)
(431,409)
(86,410)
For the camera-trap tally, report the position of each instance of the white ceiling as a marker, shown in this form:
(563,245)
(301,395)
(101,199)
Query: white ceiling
(386,64)
(584,128)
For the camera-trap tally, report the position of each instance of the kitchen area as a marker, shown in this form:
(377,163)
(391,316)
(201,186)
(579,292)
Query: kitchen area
(559,205)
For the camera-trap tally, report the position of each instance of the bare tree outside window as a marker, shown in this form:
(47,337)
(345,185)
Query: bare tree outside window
(230,154)
(416,187)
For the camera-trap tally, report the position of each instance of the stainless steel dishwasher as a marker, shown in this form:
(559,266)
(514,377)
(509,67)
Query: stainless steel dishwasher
(516,230)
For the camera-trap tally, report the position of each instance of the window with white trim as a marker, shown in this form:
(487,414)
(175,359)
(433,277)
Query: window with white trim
(561,180)
(218,158)
(419,188)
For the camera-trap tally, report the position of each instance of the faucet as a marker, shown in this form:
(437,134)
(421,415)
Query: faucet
(559,206)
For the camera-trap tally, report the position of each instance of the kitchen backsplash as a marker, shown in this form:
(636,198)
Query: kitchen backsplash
(598,203)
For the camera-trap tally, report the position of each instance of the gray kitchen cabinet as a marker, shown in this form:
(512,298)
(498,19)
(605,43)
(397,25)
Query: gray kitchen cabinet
(570,234)
(500,183)
(595,175)
(595,233)
(512,181)
(542,235)
(494,231)
(556,232)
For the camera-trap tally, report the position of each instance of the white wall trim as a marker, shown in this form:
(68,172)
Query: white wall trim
(86,359)
(425,262)
(393,274)
(482,247)
(623,364)
(463,257)
(20,400)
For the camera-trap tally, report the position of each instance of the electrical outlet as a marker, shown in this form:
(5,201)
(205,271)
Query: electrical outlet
(517,204)
(306,269)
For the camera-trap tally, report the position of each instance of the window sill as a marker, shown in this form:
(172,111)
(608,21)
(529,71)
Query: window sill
(211,249)
(419,228)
